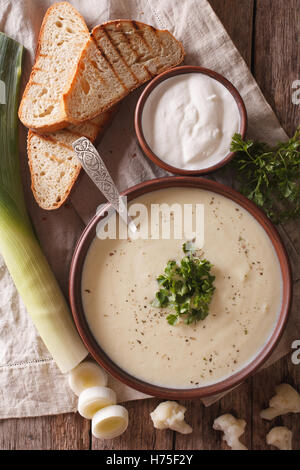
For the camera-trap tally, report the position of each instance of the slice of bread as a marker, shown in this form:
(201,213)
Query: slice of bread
(120,56)
(62,38)
(53,164)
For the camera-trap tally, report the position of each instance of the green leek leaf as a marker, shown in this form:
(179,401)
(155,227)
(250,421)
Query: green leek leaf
(18,245)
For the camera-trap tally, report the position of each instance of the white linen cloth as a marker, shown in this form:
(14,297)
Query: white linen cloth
(30,382)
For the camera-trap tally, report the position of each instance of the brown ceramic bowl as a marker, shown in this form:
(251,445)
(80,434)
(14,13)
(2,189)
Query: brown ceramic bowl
(95,349)
(171,73)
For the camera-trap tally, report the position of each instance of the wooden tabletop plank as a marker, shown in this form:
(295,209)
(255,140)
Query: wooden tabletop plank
(275,67)
(237,18)
(61,432)
(277,56)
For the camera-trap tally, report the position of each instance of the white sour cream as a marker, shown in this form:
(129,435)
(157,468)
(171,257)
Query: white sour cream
(189,120)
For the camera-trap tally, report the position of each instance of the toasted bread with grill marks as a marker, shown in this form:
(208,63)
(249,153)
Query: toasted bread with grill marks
(62,38)
(120,56)
(53,164)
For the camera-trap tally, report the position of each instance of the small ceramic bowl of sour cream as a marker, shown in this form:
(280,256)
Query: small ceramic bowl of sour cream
(185,120)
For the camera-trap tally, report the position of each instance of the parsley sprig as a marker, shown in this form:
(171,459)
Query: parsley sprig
(270,176)
(187,288)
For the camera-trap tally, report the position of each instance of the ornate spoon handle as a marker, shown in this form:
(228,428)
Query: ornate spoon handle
(95,167)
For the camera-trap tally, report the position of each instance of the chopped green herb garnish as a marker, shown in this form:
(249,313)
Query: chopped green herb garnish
(189,248)
(270,176)
(187,288)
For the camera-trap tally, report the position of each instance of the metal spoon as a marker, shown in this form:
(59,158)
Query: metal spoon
(96,169)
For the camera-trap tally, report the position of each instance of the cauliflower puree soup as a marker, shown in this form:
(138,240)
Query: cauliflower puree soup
(119,283)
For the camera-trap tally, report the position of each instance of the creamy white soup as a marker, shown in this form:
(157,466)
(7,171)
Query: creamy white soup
(119,283)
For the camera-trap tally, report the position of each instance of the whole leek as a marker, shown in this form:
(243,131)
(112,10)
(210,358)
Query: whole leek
(18,245)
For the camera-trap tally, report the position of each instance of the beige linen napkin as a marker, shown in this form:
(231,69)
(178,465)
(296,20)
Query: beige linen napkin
(30,382)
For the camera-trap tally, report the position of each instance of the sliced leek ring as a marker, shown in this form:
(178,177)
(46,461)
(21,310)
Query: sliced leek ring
(93,399)
(86,375)
(110,422)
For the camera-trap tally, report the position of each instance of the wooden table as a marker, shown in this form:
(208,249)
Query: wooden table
(266,33)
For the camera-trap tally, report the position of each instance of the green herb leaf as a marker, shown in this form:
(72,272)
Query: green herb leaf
(161,298)
(187,288)
(189,248)
(270,176)
(172,319)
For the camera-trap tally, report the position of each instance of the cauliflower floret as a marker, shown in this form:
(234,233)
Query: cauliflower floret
(286,400)
(233,428)
(280,437)
(169,414)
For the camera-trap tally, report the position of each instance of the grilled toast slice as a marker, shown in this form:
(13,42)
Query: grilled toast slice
(52,161)
(62,38)
(120,56)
